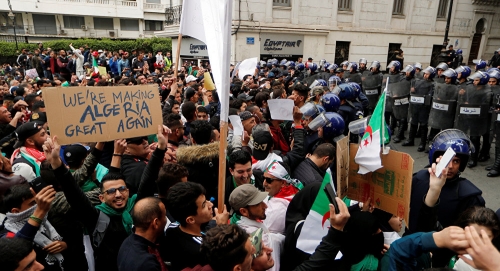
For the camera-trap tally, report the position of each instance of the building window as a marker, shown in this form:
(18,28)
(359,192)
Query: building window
(394,53)
(103,23)
(75,22)
(153,25)
(442,9)
(44,24)
(398,7)
(345,5)
(129,25)
(341,51)
(282,3)
(154,1)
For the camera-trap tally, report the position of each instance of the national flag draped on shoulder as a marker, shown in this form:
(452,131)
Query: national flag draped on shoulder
(376,134)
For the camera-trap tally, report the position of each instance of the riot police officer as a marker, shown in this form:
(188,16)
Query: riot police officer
(472,114)
(362,65)
(394,77)
(495,124)
(420,106)
(401,94)
(444,103)
(371,82)
(353,75)
(440,68)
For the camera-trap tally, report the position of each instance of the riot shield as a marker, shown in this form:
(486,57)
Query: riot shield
(473,110)
(371,84)
(442,114)
(353,77)
(420,101)
(393,79)
(325,76)
(400,92)
(445,92)
(310,79)
(495,112)
(439,79)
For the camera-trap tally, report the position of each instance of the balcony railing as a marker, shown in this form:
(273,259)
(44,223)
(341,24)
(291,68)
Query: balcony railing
(173,15)
(153,6)
(486,2)
(103,2)
(54,31)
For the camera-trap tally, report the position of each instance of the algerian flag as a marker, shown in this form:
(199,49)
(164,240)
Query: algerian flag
(317,221)
(94,64)
(376,134)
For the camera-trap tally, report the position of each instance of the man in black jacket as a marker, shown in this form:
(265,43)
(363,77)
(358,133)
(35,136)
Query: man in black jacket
(116,204)
(139,251)
(313,169)
(134,161)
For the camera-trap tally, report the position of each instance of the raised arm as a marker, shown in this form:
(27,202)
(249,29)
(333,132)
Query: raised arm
(147,187)
(74,195)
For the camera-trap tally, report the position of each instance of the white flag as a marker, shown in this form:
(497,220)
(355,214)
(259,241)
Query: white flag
(247,66)
(210,21)
(192,20)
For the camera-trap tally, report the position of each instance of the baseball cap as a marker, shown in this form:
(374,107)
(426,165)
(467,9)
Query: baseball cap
(244,97)
(189,93)
(270,75)
(190,78)
(26,130)
(246,195)
(310,58)
(39,117)
(100,51)
(262,143)
(74,153)
(339,70)
(136,140)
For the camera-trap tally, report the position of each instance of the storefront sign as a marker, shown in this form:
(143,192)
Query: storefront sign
(281,44)
(193,48)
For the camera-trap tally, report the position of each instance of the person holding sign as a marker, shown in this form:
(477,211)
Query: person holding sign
(110,222)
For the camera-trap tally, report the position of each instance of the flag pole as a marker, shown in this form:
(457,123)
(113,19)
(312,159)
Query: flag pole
(385,150)
(222,165)
(177,56)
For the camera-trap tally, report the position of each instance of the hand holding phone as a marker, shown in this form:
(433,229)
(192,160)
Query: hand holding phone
(330,192)
(38,184)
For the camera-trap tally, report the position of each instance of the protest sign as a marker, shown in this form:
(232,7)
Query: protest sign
(342,162)
(281,109)
(94,114)
(389,187)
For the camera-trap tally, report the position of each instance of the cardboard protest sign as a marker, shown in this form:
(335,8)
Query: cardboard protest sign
(342,166)
(94,114)
(389,187)
(102,70)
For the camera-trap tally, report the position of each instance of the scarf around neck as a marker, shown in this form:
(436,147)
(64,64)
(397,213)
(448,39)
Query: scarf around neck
(34,156)
(125,213)
(45,235)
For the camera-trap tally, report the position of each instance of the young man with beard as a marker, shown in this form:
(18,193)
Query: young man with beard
(191,209)
(313,168)
(62,63)
(28,153)
(110,223)
(174,122)
(240,168)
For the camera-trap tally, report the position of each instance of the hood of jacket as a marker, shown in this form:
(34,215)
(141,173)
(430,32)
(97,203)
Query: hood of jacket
(198,153)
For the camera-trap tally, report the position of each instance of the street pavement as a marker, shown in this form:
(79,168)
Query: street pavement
(477,175)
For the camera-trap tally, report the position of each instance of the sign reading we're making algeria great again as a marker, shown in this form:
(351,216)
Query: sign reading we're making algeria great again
(96,114)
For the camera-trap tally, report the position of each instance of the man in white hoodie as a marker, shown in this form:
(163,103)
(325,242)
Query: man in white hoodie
(79,61)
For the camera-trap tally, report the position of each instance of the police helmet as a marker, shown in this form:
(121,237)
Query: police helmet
(459,51)
(312,67)
(396,65)
(333,81)
(375,64)
(418,65)
(464,71)
(353,66)
(430,71)
(335,125)
(300,66)
(331,102)
(480,64)
(345,91)
(455,139)
(495,74)
(482,76)
(410,69)
(443,66)
(333,67)
(363,61)
(451,73)
(357,89)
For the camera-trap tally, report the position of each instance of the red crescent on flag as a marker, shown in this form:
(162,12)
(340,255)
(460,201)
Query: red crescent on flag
(325,217)
(369,131)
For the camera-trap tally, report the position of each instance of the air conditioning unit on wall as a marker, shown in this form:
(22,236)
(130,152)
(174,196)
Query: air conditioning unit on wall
(85,28)
(111,33)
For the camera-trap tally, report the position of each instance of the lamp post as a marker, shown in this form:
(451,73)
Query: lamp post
(13,18)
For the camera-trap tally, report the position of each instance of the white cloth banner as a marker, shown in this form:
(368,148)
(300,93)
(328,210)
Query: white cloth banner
(247,66)
(210,21)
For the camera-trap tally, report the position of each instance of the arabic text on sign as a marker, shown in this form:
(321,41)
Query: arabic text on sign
(401,101)
(470,111)
(417,100)
(439,106)
(371,91)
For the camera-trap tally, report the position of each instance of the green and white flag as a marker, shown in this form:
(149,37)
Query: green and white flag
(317,221)
(376,135)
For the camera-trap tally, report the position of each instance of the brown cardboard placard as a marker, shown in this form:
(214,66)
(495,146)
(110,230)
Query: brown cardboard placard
(95,114)
(342,162)
(389,187)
